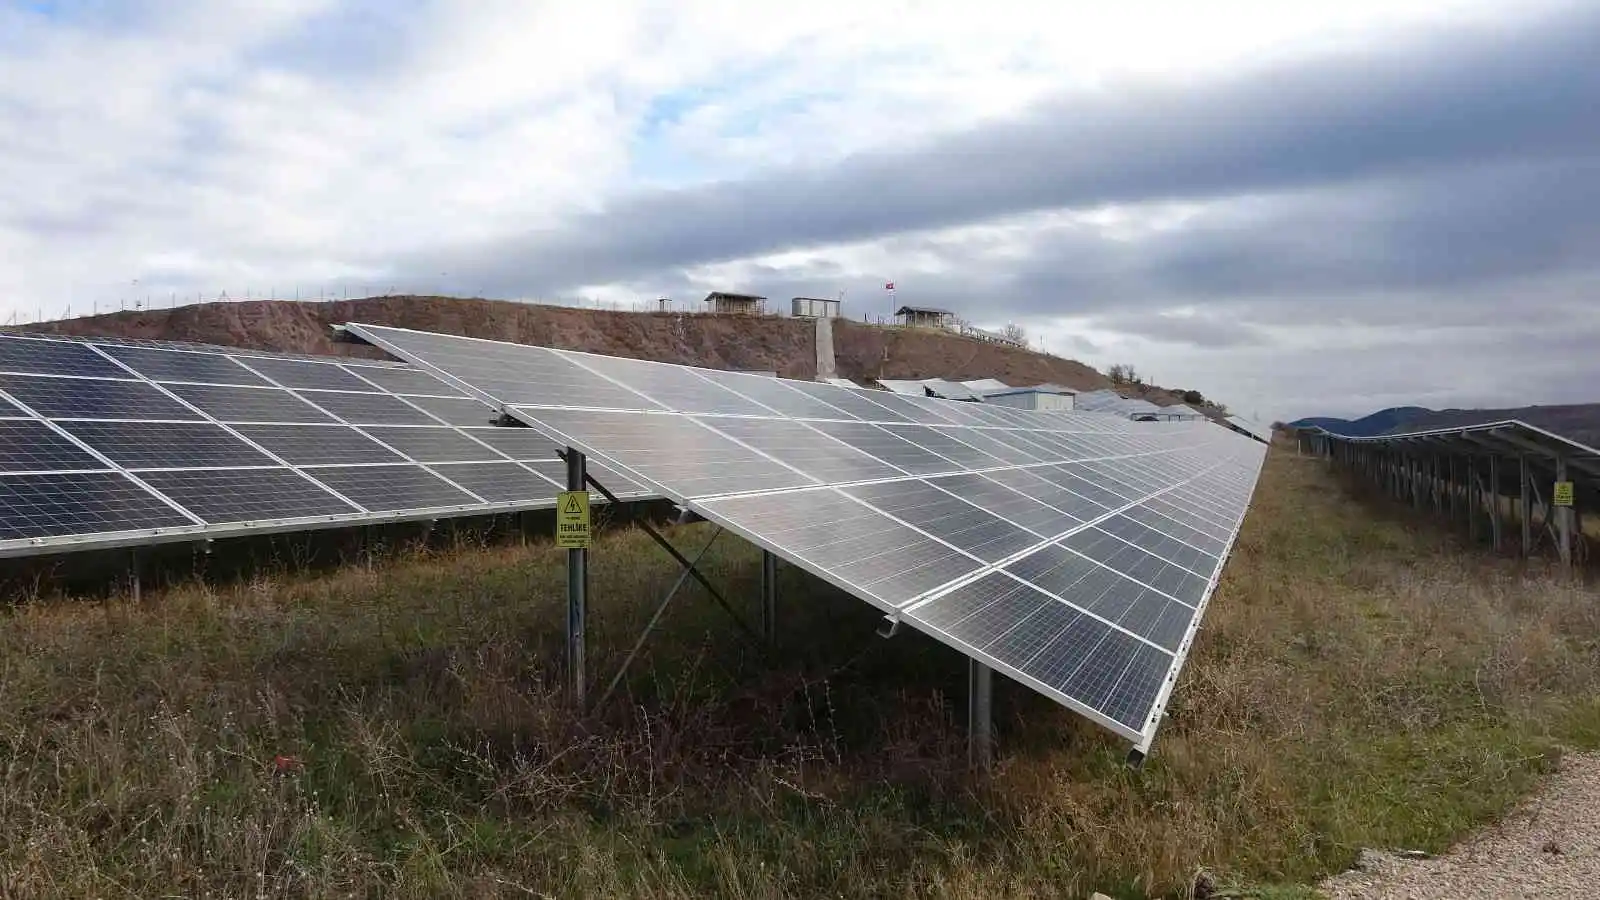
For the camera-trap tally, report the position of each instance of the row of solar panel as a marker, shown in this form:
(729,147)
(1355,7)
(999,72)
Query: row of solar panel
(562,378)
(1074,552)
(110,439)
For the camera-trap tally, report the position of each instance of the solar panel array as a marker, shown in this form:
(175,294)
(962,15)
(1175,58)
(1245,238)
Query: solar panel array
(1074,552)
(1251,427)
(108,443)
(1108,401)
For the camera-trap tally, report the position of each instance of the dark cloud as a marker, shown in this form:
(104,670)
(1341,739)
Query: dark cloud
(1524,96)
(1419,220)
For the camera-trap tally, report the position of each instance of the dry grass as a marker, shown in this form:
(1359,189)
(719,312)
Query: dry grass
(396,731)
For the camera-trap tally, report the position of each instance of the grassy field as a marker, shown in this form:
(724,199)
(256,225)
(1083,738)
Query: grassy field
(396,730)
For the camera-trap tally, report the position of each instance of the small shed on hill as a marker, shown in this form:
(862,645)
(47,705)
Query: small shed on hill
(735,304)
(924,317)
(814,308)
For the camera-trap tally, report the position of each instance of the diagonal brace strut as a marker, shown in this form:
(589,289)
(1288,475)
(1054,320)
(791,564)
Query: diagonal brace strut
(672,551)
(655,617)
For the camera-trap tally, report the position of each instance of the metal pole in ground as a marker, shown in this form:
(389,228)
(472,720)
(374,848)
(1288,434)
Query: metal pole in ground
(1451,480)
(980,734)
(769,597)
(1525,507)
(1494,501)
(1474,500)
(1563,517)
(577,592)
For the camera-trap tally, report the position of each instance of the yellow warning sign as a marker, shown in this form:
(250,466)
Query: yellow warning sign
(1562,496)
(572,520)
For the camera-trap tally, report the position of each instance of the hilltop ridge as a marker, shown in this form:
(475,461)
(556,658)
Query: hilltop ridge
(767,343)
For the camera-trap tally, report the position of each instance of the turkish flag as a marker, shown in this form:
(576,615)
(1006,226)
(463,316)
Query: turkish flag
(888,285)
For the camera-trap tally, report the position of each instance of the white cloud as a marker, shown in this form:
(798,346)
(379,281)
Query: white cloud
(202,147)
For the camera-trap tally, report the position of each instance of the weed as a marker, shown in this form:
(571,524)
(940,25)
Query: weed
(397,728)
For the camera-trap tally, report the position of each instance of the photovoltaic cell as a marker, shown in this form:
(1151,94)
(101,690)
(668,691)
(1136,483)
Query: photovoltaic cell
(437,444)
(367,409)
(291,373)
(404,381)
(1145,568)
(674,387)
(993,443)
(498,482)
(1105,593)
(1074,655)
(945,444)
(91,398)
(221,496)
(30,446)
(241,404)
(672,449)
(555,471)
(891,562)
(463,413)
(851,400)
(777,395)
(946,517)
(522,375)
(393,488)
(167,445)
(318,445)
(522,444)
(896,451)
(54,358)
(80,504)
(180,365)
(804,448)
(1010,505)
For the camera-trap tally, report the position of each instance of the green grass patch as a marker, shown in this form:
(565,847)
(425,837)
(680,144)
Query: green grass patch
(397,728)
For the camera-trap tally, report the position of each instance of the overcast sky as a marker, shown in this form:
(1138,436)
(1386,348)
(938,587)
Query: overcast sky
(1296,208)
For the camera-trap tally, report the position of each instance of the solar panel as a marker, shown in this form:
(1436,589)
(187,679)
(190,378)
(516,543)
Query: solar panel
(109,442)
(200,368)
(1073,552)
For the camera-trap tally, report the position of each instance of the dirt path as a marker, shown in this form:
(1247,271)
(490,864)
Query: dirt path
(1549,847)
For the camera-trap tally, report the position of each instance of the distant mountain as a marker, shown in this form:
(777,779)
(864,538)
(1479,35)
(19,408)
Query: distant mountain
(1579,421)
(1380,422)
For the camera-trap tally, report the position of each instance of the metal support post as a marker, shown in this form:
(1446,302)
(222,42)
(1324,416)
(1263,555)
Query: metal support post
(1474,498)
(1563,517)
(980,734)
(1494,501)
(1525,506)
(769,597)
(135,590)
(1450,483)
(577,592)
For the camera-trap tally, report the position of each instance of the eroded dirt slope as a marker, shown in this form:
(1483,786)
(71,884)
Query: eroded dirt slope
(783,345)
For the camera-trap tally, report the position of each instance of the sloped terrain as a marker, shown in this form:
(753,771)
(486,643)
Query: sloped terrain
(768,343)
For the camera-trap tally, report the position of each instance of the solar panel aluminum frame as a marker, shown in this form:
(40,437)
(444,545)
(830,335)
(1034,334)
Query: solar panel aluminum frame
(1141,738)
(200,529)
(1158,711)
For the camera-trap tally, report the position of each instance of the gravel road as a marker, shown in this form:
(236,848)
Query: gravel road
(1549,847)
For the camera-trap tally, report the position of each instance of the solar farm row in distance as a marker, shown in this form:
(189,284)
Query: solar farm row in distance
(116,443)
(1073,551)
